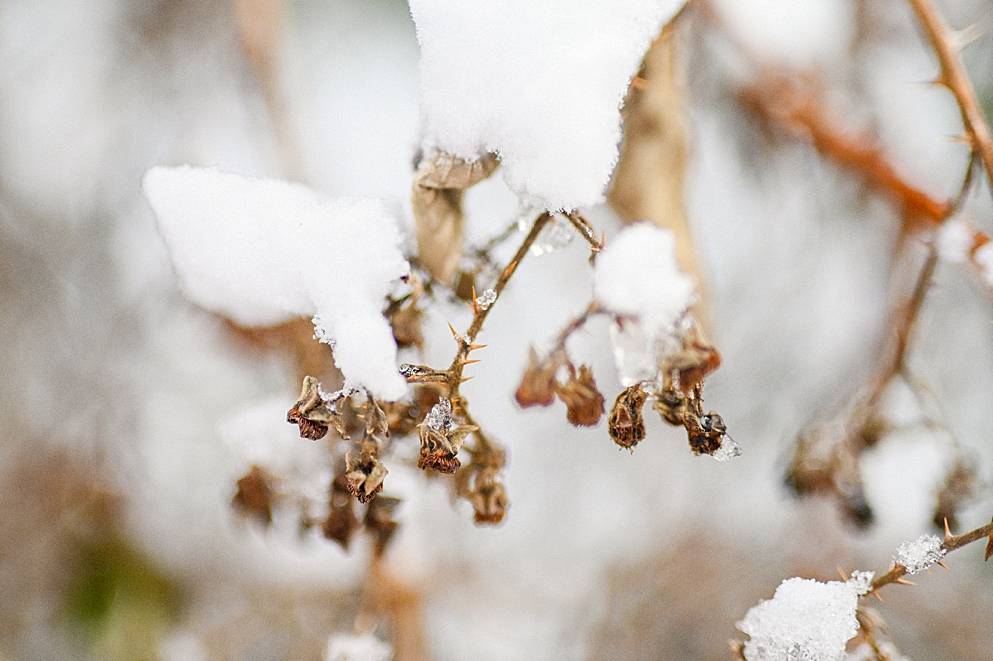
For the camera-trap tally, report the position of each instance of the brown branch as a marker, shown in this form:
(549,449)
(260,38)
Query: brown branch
(953,77)
(952,542)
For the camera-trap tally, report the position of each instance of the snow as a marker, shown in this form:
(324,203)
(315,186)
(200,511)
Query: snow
(861,581)
(637,278)
(540,83)
(357,648)
(954,241)
(806,620)
(983,257)
(920,554)
(262,251)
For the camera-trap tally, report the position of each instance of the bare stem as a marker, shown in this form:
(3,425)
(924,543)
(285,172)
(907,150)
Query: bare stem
(585,228)
(953,76)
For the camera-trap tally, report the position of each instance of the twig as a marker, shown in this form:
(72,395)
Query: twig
(953,76)
(584,227)
(952,542)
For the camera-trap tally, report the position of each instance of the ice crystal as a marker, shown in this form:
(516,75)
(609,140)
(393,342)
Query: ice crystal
(861,581)
(805,620)
(440,416)
(486,299)
(728,450)
(409,370)
(555,235)
(920,554)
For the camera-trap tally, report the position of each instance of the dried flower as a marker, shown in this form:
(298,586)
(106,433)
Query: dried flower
(341,522)
(538,385)
(440,443)
(312,414)
(580,394)
(365,475)
(255,495)
(488,497)
(627,427)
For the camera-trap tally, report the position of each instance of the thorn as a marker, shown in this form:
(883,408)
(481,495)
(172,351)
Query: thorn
(638,83)
(466,378)
(470,362)
(455,333)
(928,571)
(473,347)
(962,38)
(903,581)
(603,239)
(944,565)
(948,533)
(964,139)
(475,303)
(510,269)
(876,595)
(842,573)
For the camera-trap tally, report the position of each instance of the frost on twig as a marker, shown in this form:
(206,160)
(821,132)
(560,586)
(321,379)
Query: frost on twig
(920,554)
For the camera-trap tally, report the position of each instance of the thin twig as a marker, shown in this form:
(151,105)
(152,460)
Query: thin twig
(584,227)
(953,76)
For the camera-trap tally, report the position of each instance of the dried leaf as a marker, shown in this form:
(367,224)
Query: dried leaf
(437,205)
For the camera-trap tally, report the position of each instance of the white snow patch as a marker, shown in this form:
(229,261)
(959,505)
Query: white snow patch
(357,648)
(806,620)
(539,82)
(262,251)
(637,278)
(984,260)
(954,240)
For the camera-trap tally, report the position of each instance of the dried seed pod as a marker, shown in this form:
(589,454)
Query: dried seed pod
(311,413)
(584,401)
(255,495)
(538,384)
(488,497)
(627,426)
(341,522)
(705,432)
(364,474)
(671,405)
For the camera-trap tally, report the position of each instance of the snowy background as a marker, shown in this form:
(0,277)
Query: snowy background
(127,413)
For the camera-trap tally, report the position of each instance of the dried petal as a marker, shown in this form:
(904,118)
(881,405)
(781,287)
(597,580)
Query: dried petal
(375,418)
(538,385)
(627,427)
(254,496)
(581,396)
(437,450)
(311,413)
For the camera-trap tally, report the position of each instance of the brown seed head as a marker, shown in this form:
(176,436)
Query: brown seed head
(584,401)
(538,384)
(365,475)
(627,426)
(489,501)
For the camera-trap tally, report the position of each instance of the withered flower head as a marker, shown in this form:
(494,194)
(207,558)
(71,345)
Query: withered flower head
(254,496)
(488,499)
(312,414)
(705,432)
(341,522)
(364,474)
(538,384)
(580,394)
(627,427)
(441,438)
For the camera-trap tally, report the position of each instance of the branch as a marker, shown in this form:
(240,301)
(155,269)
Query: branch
(945,45)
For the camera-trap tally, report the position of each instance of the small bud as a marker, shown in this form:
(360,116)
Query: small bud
(585,402)
(627,427)
(365,475)
(538,385)
(254,496)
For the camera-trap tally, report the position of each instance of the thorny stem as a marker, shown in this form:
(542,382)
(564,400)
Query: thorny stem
(953,77)
(584,227)
(952,542)
(592,309)
(454,374)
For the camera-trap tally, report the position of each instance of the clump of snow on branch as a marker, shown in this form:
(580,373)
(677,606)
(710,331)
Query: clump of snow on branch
(861,582)
(539,82)
(983,257)
(263,251)
(805,620)
(357,648)
(637,279)
(920,554)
